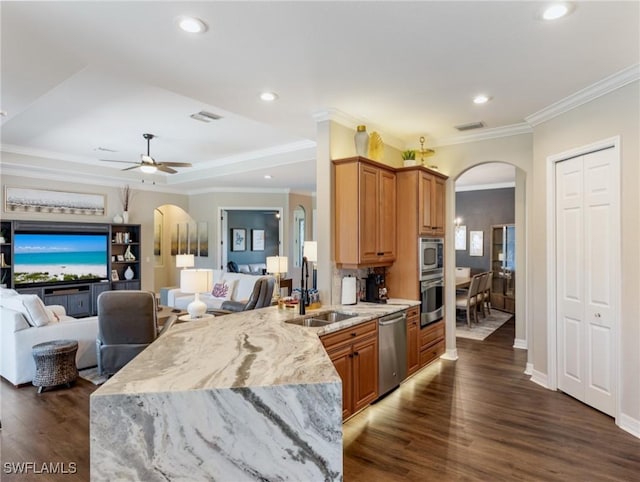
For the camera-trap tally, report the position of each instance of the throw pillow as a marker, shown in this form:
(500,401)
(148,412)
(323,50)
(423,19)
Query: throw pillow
(31,307)
(223,290)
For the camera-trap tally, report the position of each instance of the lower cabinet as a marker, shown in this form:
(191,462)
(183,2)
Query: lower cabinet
(432,343)
(354,353)
(413,340)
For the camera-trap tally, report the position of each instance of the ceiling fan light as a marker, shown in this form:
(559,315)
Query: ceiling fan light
(147,169)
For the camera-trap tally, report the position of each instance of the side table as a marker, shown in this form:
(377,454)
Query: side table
(55,363)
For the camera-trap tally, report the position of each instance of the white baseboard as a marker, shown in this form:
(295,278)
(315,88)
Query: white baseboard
(450,354)
(520,344)
(540,378)
(528,370)
(629,424)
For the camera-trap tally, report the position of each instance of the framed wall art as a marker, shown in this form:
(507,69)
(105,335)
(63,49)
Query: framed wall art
(461,238)
(29,200)
(257,240)
(476,242)
(238,239)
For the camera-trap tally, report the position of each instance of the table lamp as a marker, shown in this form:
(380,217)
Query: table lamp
(196,281)
(185,261)
(277,265)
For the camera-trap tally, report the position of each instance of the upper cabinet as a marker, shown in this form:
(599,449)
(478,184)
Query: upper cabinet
(431,204)
(365,213)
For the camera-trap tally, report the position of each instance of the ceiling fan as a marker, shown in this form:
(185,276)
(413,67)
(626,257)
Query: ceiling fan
(148,164)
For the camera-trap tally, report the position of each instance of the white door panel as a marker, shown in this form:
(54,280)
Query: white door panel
(587,233)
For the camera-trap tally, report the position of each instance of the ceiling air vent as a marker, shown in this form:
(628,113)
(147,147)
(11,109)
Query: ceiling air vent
(204,116)
(468,127)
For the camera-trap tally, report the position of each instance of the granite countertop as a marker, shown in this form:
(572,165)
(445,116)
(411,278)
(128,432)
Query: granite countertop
(255,348)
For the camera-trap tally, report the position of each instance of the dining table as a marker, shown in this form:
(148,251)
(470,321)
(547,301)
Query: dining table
(463,282)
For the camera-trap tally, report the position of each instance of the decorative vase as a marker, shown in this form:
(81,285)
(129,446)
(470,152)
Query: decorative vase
(2,241)
(361,140)
(117,219)
(128,273)
(128,255)
(2,261)
(409,162)
(125,216)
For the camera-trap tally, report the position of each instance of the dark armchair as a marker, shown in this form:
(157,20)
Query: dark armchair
(260,297)
(127,324)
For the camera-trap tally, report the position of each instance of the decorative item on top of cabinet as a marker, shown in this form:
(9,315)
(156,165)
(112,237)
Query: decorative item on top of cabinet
(361,140)
(365,212)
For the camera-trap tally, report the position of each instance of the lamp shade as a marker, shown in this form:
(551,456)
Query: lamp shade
(196,280)
(185,261)
(310,251)
(277,264)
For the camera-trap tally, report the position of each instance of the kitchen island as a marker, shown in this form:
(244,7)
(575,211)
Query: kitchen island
(239,397)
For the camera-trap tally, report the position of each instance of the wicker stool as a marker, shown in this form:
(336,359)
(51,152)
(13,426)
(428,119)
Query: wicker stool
(55,363)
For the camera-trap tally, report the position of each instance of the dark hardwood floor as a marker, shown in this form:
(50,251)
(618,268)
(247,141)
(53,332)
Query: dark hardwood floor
(479,418)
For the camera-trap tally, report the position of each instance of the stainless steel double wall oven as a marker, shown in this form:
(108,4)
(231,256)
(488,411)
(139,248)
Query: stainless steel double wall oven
(431,256)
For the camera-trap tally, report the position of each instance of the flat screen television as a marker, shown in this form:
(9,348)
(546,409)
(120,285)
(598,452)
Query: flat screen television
(59,258)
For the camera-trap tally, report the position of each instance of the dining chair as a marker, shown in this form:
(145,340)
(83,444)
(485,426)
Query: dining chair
(484,278)
(486,291)
(469,301)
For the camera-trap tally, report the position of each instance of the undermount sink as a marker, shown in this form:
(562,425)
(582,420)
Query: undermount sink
(322,319)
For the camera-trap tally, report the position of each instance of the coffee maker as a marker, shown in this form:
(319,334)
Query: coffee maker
(376,291)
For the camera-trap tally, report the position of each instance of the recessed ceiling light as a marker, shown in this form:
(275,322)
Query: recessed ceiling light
(192,25)
(267,176)
(268,96)
(481,99)
(555,11)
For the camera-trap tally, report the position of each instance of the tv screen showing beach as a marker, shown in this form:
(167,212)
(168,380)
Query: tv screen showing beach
(59,258)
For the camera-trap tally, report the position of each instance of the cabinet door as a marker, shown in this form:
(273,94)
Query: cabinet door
(387,216)
(79,304)
(437,206)
(425,189)
(369,209)
(365,372)
(341,358)
(413,345)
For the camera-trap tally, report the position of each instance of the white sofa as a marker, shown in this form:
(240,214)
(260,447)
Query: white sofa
(17,338)
(253,268)
(242,286)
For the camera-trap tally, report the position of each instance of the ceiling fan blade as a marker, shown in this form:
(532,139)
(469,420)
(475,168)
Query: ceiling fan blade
(175,164)
(132,167)
(113,160)
(163,168)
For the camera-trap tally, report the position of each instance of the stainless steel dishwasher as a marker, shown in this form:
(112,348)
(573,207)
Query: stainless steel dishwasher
(392,351)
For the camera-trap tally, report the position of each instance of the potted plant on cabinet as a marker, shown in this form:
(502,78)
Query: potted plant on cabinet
(409,158)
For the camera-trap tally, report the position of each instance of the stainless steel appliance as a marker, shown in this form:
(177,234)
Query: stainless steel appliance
(431,255)
(392,351)
(432,298)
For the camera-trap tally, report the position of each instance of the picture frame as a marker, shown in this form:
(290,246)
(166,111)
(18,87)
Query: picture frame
(113,258)
(476,243)
(461,238)
(29,200)
(121,257)
(238,239)
(257,240)
(114,275)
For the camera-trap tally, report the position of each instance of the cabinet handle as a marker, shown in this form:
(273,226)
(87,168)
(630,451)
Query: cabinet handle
(350,355)
(380,254)
(356,353)
(353,334)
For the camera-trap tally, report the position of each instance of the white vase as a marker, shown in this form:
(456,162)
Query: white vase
(125,216)
(361,140)
(117,219)
(410,162)
(128,273)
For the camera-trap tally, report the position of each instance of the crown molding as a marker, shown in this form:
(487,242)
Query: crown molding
(247,190)
(485,134)
(347,120)
(600,88)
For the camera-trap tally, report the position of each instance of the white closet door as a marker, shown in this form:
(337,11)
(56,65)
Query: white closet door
(588,234)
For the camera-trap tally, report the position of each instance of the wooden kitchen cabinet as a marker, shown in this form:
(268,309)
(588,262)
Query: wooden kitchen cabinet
(354,353)
(413,340)
(420,209)
(365,213)
(432,342)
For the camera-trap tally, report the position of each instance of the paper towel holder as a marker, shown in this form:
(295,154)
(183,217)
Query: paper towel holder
(349,290)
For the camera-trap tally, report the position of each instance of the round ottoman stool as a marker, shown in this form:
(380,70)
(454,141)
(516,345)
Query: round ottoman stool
(55,363)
